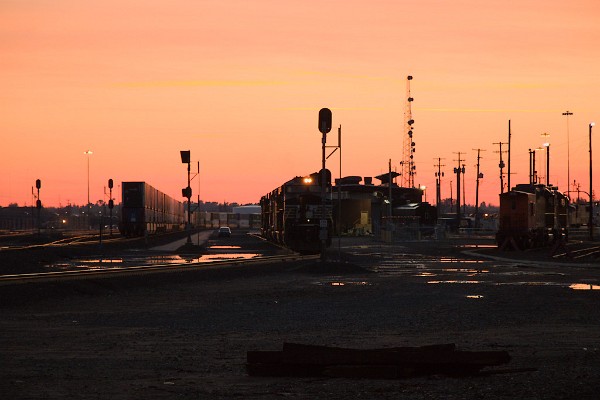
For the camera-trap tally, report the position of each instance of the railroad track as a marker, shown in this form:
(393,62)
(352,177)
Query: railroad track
(63,242)
(580,253)
(18,279)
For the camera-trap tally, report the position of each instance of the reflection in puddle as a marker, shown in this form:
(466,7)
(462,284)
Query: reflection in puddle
(362,283)
(584,286)
(224,247)
(426,274)
(474,296)
(106,263)
(462,282)
(466,270)
(343,283)
(201,259)
(232,256)
(460,260)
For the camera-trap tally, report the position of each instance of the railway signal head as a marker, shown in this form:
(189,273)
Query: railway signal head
(38,183)
(111,204)
(185,156)
(110,183)
(38,204)
(324,120)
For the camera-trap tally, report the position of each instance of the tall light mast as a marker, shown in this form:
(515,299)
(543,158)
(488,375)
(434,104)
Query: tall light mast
(408,168)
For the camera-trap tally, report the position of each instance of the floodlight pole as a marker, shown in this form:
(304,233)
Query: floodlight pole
(591,216)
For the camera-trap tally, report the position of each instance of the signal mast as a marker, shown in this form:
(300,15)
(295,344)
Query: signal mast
(407,164)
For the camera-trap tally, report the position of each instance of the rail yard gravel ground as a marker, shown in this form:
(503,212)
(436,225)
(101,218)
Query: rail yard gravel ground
(186,335)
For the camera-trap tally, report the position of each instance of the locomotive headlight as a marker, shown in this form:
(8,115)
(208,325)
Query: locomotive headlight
(308,180)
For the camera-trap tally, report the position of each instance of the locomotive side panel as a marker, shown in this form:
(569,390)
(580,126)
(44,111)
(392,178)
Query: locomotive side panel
(532,215)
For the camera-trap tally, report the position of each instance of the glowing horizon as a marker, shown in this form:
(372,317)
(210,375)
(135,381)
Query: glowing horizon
(240,85)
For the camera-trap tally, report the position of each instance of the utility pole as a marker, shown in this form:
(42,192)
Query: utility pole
(438,184)
(458,171)
(509,138)
(531,166)
(464,188)
(451,197)
(390,188)
(502,165)
(546,144)
(38,205)
(567,113)
(479,175)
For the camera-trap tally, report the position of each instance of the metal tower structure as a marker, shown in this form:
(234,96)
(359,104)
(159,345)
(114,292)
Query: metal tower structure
(408,168)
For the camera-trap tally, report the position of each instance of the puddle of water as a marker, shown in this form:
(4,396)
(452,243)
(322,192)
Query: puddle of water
(426,274)
(103,261)
(344,283)
(460,260)
(212,257)
(362,283)
(466,270)
(573,286)
(94,264)
(584,286)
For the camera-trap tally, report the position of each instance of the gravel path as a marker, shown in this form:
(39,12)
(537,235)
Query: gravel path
(186,335)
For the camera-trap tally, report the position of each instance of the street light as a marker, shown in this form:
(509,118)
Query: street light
(547,146)
(567,113)
(88,153)
(591,217)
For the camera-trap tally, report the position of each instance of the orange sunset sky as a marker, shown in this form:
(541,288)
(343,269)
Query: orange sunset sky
(240,84)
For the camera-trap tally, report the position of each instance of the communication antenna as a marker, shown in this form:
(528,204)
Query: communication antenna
(407,164)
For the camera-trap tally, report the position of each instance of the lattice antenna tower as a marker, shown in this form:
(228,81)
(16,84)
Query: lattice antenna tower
(409,169)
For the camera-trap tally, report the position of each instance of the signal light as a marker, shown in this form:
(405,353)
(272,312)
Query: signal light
(324,120)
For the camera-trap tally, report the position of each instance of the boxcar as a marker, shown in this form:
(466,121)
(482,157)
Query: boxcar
(146,210)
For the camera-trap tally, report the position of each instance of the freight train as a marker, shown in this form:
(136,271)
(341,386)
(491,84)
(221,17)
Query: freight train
(146,210)
(532,215)
(292,214)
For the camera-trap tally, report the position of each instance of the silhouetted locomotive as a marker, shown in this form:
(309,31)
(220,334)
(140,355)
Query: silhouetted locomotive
(531,215)
(292,214)
(146,210)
